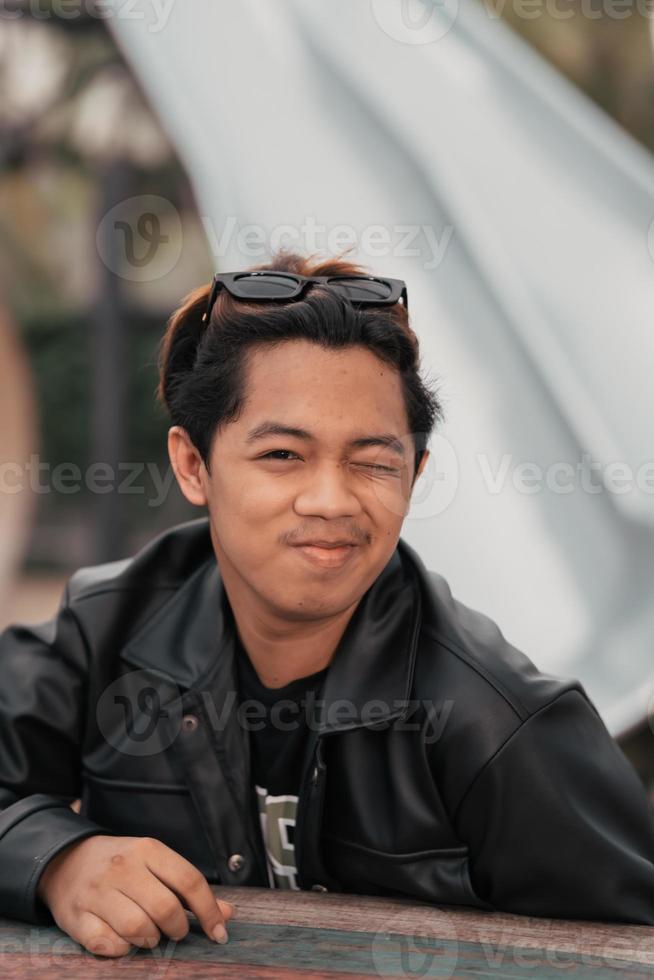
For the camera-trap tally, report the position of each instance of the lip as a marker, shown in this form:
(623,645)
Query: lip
(327,555)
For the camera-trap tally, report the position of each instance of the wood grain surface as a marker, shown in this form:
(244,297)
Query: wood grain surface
(279,934)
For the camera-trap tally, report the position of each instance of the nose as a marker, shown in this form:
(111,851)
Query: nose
(326,492)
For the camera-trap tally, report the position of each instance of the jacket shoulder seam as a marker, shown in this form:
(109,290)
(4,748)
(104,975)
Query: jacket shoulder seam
(516,731)
(514,702)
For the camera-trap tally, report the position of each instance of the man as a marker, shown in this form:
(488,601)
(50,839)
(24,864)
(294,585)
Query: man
(281,693)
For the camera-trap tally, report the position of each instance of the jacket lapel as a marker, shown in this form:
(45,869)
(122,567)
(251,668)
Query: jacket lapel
(191,643)
(374,663)
(183,639)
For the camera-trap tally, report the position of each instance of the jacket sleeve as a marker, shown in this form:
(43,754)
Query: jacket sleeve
(558,823)
(43,673)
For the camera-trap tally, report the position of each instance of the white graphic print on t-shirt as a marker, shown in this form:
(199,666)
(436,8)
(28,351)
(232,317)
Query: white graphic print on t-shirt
(277,816)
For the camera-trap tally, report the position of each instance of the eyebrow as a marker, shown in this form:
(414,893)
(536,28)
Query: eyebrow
(277,429)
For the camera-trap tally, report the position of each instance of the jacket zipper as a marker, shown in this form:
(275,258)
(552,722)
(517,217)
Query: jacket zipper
(310,777)
(308,862)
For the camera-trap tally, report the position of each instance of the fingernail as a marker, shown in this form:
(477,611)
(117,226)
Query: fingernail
(220,934)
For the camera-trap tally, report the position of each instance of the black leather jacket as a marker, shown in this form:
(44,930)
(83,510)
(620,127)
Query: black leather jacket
(442,764)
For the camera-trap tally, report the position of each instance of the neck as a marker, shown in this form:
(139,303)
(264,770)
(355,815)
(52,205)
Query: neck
(282,651)
(283,654)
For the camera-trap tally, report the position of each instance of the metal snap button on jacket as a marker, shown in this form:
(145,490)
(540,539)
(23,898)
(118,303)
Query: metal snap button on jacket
(189,723)
(236,862)
(319,888)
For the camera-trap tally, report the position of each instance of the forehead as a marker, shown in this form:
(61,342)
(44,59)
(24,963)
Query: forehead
(304,381)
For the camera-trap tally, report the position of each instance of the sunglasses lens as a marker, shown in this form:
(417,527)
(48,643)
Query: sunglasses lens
(277,285)
(267,286)
(363,290)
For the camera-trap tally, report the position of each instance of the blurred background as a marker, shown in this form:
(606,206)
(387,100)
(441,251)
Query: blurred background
(77,138)
(130,170)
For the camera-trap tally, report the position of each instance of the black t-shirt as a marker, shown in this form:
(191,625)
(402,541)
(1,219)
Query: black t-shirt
(277,723)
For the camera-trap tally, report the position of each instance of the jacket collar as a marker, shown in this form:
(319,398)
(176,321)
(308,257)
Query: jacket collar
(369,679)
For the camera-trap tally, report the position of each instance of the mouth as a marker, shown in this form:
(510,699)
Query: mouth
(327,555)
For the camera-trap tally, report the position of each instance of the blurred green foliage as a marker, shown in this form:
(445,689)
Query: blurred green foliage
(59,350)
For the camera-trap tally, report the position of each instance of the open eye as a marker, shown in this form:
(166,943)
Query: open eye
(274,454)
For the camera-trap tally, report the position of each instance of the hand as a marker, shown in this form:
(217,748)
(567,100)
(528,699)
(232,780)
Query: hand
(112,893)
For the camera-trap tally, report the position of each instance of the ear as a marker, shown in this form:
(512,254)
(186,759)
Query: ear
(188,466)
(423,463)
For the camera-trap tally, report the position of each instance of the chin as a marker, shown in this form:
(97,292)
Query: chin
(311,606)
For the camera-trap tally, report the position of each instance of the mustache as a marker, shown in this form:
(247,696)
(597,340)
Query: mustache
(352,535)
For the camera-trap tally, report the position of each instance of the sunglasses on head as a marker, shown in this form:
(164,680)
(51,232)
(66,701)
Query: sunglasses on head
(270,285)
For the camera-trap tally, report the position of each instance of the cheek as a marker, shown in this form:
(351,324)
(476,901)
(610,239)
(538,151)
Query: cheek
(250,499)
(389,501)
(249,518)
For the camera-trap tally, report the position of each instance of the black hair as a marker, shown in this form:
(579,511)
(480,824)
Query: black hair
(202,366)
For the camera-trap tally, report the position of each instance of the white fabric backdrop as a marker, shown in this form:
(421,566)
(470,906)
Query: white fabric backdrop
(529,267)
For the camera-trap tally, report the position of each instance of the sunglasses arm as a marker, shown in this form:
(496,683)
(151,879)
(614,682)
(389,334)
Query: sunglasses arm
(215,289)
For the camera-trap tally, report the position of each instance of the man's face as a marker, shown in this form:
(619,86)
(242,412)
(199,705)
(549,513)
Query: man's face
(277,499)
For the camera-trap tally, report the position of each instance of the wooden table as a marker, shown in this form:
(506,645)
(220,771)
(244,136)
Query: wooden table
(304,935)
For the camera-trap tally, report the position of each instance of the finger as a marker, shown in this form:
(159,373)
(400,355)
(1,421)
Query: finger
(161,905)
(127,918)
(226,908)
(97,936)
(186,881)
